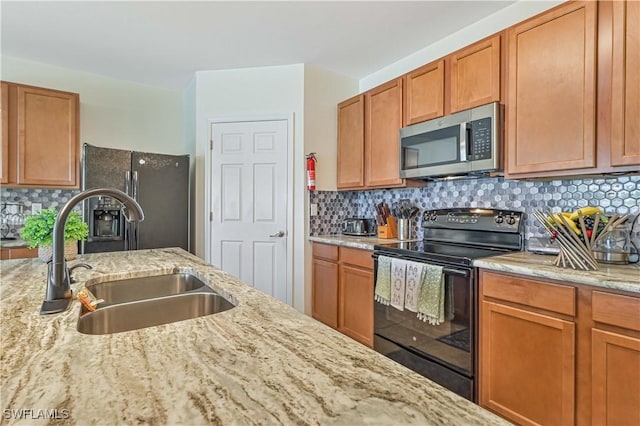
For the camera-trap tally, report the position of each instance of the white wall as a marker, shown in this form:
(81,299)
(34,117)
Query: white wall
(113,113)
(323,90)
(249,93)
(500,20)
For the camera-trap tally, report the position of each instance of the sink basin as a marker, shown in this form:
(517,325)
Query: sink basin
(131,289)
(139,314)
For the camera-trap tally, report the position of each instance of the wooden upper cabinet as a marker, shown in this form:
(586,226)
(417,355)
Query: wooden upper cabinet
(383,120)
(551,108)
(47,137)
(475,75)
(351,143)
(5,134)
(424,93)
(625,96)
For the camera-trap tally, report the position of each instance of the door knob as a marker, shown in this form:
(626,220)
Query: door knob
(278,234)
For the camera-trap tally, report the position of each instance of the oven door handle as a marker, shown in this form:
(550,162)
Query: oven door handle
(455,272)
(460,272)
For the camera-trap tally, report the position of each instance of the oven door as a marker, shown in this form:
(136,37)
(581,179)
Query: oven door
(444,353)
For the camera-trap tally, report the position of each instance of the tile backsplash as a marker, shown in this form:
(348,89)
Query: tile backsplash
(613,194)
(25,197)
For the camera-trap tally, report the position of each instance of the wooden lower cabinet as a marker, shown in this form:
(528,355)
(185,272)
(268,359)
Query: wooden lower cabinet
(355,306)
(342,295)
(325,292)
(527,365)
(17,253)
(554,353)
(615,359)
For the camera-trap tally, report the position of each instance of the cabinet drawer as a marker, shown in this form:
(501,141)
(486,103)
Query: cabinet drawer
(356,257)
(616,309)
(325,251)
(537,294)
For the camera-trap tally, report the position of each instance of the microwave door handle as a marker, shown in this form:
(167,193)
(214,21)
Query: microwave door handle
(463,141)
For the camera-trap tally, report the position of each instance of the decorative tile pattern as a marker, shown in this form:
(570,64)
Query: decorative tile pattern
(613,194)
(25,197)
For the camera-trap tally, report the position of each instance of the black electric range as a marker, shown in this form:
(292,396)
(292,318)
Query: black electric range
(453,238)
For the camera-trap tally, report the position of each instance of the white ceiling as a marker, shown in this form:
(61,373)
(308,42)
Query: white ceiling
(163,43)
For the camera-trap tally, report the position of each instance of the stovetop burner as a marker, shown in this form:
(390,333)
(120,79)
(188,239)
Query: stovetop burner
(461,235)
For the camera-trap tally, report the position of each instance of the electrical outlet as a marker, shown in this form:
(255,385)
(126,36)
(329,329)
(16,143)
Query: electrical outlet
(314,210)
(35,208)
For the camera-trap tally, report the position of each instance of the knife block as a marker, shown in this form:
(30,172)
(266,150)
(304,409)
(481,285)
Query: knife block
(390,230)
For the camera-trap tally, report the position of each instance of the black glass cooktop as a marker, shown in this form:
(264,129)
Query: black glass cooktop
(438,251)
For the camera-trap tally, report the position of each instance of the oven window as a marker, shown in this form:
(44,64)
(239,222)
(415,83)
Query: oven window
(450,343)
(432,148)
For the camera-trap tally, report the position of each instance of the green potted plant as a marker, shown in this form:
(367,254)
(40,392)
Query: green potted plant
(38,232)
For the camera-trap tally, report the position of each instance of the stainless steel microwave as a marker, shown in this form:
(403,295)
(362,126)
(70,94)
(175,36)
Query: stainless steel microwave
(464,143)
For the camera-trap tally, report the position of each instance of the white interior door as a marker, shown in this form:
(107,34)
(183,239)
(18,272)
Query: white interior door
(249,203)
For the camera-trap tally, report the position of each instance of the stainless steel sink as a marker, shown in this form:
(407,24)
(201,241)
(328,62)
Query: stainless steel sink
(131,289)
(136,303)
(150,312)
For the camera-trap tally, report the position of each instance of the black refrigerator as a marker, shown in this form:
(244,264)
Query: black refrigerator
(158,182)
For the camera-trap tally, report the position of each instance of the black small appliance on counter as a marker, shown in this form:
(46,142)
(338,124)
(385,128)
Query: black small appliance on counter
(360,227)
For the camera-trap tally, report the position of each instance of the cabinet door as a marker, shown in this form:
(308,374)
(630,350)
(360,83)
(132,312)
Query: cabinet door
(5,134)
(527,365)
(625,98)
(355,311)
(351,143)
(383,120)
(475,75)
(47,145)
(324,298)
(551,112)
(424,93)
(615,386)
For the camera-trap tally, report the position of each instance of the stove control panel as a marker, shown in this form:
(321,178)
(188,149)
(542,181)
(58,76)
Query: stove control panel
(474,219)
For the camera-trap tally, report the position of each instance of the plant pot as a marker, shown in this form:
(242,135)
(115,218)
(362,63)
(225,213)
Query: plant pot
(70,251)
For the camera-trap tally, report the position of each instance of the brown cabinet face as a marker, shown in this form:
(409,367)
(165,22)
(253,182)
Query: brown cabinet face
(4,173)
(18,253)
(325,292)
(47,137)
(625,130)
(424,93)
(551,108)
(615,385)
(40,137)
(383,120)
(351,143)
(475,75)
(527,365)
(355,307)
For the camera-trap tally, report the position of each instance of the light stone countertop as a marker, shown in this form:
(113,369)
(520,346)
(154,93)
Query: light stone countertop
(365,243)
(261,362)
(614,277)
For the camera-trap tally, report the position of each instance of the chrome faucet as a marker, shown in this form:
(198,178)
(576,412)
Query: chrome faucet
(59,295)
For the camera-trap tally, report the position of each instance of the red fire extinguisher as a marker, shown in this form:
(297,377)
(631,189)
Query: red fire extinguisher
(311,171)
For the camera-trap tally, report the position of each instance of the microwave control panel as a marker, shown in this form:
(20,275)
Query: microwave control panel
(480,139)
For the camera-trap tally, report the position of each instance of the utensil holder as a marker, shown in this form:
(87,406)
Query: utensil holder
(389,230)
(404,229)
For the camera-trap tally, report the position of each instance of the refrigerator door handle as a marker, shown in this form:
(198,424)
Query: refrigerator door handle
(134,190)
(127,182)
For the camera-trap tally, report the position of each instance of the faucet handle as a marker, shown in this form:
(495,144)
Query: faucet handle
(79,265)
